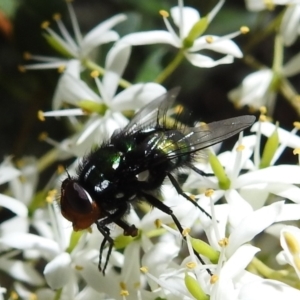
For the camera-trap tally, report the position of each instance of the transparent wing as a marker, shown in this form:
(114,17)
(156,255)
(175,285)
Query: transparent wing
(152,114)
(196,138)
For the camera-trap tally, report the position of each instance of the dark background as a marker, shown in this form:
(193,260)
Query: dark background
(203,90)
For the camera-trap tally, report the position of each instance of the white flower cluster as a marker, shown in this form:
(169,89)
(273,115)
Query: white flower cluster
(254,203)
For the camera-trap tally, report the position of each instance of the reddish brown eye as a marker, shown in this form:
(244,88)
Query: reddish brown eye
(77,205)
(78,199)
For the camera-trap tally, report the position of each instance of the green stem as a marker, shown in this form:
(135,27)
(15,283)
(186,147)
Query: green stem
(170,68)
(278,55)
(47,159)
(57,294)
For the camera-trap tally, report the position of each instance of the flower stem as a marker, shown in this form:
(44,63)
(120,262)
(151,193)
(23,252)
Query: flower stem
(170,68)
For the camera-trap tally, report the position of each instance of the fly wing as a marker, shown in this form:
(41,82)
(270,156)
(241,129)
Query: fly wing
(152,115)
(206,135)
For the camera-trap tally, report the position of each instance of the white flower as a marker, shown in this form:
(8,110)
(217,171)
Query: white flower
(260,88)
(290,25)
(79,47)
(100,125)
(258,5)
(289,240)
(187,19)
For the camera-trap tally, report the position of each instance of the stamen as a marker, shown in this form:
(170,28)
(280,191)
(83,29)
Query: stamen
(51,196)
(191,265)
(56,16)
(61,69)
(224,242)
(244,29)
(144,269)
(78,268)
(263,110)
(94,74)
(262,118)
(158,223)
(43,136)
(296,125)
(209,39)
(21,69)
(45,24)
(296,151)
(60,169)
(27,55)
(186,231)
(209,192)
(214,279)
(164,13)
(41,116)
(240,148)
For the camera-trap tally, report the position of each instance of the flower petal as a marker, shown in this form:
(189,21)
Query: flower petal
(225,46)
(252,225)
(13,205)
(136,96)
(58,270)
(116,61)
(149,38)
(185,19)
(203,61)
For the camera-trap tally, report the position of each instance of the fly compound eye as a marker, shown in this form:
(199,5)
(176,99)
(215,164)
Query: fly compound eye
(77,206)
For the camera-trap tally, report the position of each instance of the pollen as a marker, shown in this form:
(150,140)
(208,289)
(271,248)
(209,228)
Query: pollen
(191,265)
(296,125)
(60,169)
(244,29)
(45,24)
(164,13)
(51,195)
(214,279)
(296,151)
(144,269)
(209,192)
(186,231)
(209,39)
(123,285)
(41,116)
(61,69)
(21,69)
(78,268)
(14,295)
(94,74)
(33,297)
(56,16)
(262,118)
(27,55)
(223,242)
(124,293)
(240,148)
(263,110)
(157,223)
(43,136)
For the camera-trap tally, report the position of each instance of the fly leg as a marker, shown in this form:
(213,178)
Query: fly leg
(104,230)
(158,204)
(107,239)
(182,193)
